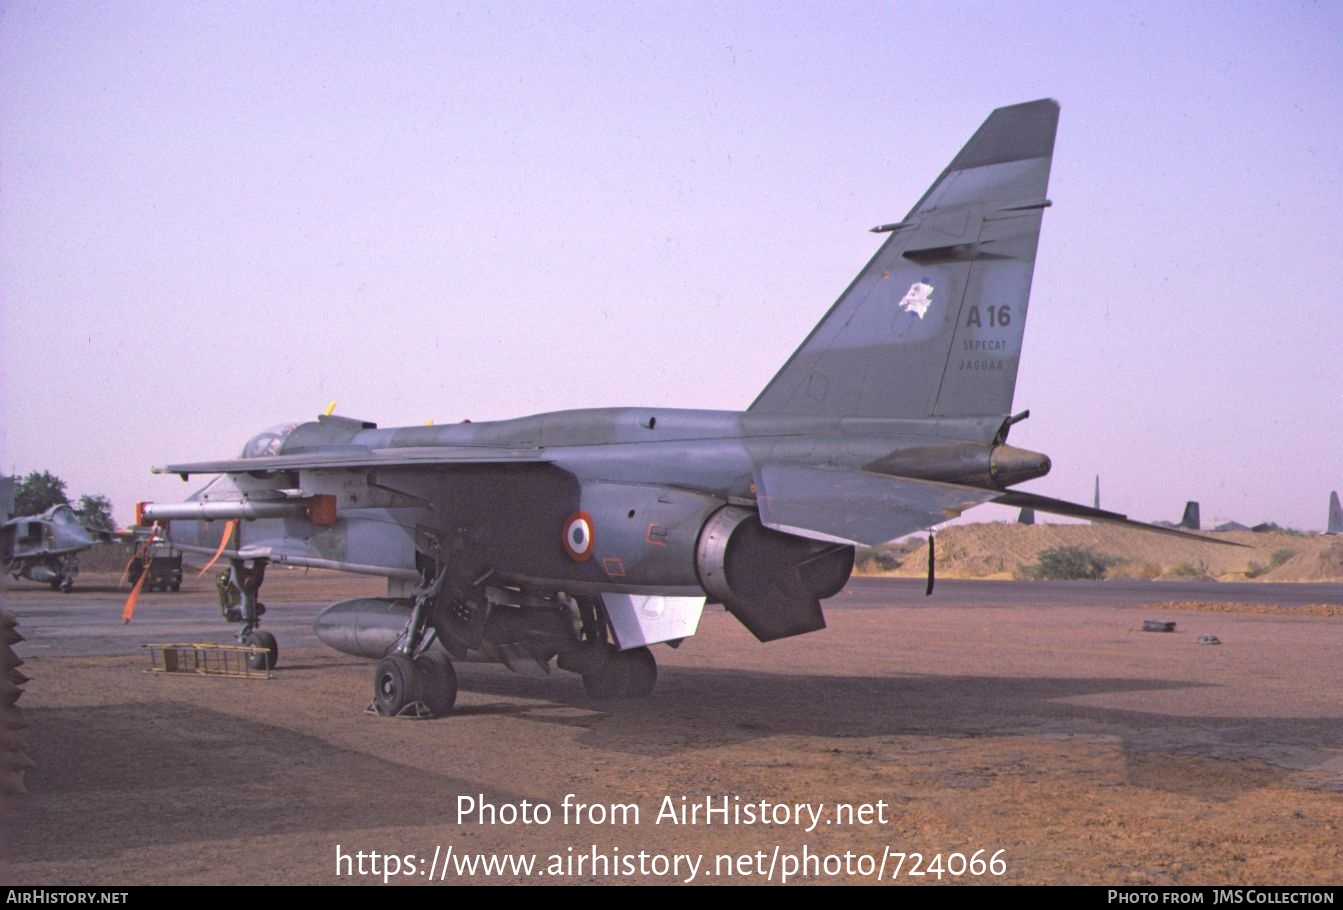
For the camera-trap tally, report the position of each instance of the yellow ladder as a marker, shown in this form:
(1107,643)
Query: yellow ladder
(205,659)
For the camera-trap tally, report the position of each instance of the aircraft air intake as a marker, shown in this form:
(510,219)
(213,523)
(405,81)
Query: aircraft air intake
(772,582)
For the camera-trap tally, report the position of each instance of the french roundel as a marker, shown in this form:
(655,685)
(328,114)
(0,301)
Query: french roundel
(578,536)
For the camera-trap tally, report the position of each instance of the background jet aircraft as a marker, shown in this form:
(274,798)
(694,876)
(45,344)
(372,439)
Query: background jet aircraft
(45,548)
(580,538)
(1189,520)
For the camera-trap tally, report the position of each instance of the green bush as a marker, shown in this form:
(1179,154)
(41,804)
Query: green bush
(1068,563)
(1190,570)
(1278,558)
(871,561)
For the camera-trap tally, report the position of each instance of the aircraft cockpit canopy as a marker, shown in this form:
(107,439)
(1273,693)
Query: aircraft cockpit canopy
(268,442)
(63,517)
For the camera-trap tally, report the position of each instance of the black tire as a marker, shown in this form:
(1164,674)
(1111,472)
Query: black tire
(437,681)
(67,586)
(611,680)
(643,672)
(268,658)
(395,684)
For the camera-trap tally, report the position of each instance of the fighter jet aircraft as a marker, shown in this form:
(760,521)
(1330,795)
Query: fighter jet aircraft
(44,548)
(578,539)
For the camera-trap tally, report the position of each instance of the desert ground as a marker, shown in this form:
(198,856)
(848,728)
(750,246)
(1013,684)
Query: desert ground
(1032,728)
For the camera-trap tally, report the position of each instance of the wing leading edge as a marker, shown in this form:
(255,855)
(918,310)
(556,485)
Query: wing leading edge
(360,458)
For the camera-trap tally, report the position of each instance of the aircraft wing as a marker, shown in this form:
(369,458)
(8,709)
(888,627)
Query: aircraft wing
(357,457)
(1015,499)
(858,507)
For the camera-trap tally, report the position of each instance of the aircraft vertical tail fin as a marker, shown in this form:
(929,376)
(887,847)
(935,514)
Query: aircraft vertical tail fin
(1335,515)
(1190,519)
(932,326)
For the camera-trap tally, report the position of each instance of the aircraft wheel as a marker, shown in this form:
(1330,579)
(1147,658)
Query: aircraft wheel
(268,658)
(67,586)
(395,685)
(612,680)
(437,680)
(643,672)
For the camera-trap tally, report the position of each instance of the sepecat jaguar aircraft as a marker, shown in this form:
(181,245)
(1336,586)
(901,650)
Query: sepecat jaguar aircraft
(577,539)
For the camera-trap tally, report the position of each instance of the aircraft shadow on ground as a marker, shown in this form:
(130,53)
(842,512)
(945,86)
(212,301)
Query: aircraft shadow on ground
(167,772)
(695,708)
(201,775)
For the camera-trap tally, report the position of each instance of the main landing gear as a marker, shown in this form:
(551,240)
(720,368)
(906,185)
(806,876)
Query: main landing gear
(423,687)
(416,679)
(624,674)
(608,672)
(416,639)
(65,568)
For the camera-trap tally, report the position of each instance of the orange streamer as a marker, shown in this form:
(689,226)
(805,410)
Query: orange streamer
(223,542)
(129,610)
(139,551)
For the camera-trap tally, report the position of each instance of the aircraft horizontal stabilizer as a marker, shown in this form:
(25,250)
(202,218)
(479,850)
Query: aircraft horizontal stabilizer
(1074,510)
(857,507)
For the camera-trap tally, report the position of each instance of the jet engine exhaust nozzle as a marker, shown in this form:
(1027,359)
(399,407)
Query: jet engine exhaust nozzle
(1009,465)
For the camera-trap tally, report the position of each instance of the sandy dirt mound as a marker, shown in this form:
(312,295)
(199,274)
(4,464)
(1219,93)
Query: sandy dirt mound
(1322,562)
(1005,550)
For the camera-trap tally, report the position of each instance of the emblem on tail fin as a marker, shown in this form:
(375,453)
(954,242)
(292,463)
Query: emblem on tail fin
(919,298)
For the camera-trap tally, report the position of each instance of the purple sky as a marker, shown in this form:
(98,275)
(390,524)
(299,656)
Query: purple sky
(214,218)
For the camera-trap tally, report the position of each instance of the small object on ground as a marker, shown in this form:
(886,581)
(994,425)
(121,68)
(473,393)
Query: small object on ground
(1152,625)
(1208,640)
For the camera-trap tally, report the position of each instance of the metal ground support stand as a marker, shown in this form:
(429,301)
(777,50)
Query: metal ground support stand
(205,659)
